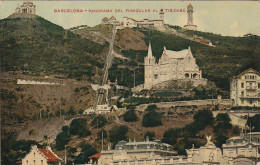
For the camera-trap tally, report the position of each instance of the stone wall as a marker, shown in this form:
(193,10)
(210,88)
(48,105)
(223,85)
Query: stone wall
(35,82)
(226,102)
(235,119)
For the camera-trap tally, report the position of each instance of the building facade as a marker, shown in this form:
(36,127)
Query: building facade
(208,154)
(137,153)
(133,23)
(190,25)
(173,65)
(245,89)
(26,7)
(247,145)
(40,156)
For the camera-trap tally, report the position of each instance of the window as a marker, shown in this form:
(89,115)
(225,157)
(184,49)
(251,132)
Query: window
(242,85)
(26,162)
(41,162)
(34,162)
(251,101)
(242,101)
(242,93)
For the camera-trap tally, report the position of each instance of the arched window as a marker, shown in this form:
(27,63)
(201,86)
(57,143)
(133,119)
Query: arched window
(195,75)
(187,75)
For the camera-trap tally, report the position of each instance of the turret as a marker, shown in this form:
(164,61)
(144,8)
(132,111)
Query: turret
(190,12)
(161,15)
(149,62)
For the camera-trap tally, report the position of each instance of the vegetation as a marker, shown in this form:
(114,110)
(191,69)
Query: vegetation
(152,118)
(254,123)
(150,135)
(182,138)
(118,133)
(99,121)
(130,116)
(87,151)
(38,46)
(79,123)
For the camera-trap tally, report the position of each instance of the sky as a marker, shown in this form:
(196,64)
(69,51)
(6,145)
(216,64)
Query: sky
(228,18)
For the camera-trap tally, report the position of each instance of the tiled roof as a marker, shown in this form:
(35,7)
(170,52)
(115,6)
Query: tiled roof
(97,155)
(50,156)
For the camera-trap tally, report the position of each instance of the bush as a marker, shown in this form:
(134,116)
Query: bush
(221,139)
(151,107)
(99,121)
(87,151)
(171,136)
(130,116)
(152,119)
(118,133)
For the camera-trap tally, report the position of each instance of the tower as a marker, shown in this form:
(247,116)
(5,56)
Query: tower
(161,15)
(190,12)
(149,62)
(190,25)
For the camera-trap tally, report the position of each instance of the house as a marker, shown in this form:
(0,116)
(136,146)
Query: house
(142,152)
(89,110)
(245,89)
(247,145)
(40,156)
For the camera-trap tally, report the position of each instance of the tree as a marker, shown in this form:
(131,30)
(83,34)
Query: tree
(118,133)
(99,121)
(171,136)
(150,135)
(151,107)
(223,122)
(62,139)
(71,111)
(254,123)
(79,127)
(221,139)
(152,119)
(130,116)
(203,118)
(87,151)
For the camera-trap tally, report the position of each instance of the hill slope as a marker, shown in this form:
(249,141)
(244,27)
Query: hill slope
(39,46)
(230,56)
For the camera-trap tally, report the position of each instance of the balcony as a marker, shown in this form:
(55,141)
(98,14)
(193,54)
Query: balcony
(249,97)
(251,88)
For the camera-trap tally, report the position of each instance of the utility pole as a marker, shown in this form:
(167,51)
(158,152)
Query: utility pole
(65,161)
(102,140)
(134,77)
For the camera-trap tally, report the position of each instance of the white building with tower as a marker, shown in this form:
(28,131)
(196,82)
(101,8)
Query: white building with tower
(190,25)
(27,8)
(173,65)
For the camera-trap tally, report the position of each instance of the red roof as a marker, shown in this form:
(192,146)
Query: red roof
(19,162)
(97,155)
(50,156)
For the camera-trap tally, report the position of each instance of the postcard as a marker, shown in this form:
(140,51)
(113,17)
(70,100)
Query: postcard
(130,82)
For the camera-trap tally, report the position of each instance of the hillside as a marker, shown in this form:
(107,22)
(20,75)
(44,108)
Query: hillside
(230,56)
(39,47)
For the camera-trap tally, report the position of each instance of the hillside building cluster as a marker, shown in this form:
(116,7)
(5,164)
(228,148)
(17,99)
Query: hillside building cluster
(27,8)
(245,89)
(132,23)
(173,65)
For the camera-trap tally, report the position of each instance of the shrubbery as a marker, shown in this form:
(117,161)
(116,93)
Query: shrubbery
(152,119)
(130,116)
(118,133)
(99,121)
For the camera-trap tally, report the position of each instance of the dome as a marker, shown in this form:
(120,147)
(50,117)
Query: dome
(190,6)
